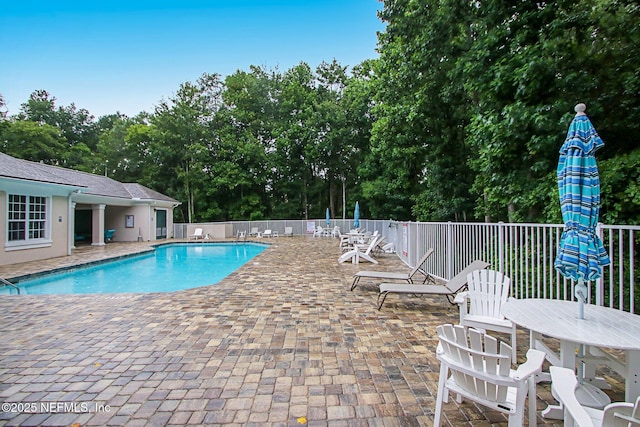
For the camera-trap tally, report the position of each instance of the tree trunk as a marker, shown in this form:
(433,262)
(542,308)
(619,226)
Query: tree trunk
(511,209)
(332,199)
(487,217)
(305,200)
(189,191)
(344,200)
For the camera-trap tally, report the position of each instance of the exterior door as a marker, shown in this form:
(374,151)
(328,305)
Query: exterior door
(161,224)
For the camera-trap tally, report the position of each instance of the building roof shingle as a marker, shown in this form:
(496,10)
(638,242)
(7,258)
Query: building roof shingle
(11,167)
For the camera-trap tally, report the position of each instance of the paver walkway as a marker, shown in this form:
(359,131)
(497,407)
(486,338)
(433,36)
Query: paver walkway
(282,341)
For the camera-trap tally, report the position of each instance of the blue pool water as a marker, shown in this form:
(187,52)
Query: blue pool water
(169,268)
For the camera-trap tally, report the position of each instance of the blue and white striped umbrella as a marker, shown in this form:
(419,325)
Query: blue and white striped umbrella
(356,216)
(581,254)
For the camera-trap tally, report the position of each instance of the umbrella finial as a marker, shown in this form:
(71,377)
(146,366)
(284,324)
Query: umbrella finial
(580,109)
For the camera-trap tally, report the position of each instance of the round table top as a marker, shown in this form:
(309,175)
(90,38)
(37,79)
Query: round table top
(601,326)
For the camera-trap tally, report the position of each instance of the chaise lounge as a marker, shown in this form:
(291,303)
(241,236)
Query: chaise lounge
(449,289)
(197,234)
(408,277)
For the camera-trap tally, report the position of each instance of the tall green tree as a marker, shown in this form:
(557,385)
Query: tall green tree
(180,147)
(330,120)
(3,108)
(530,64)
(357,106)
(416,168)
(76,125)
(295,135)
(244,127)
(28,140)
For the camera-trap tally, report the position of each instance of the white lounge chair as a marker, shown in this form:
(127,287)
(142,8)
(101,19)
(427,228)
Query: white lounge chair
(481,305)
(481,372)
(288,231)
(355,254)
(254,231)
(267,233)
(617,414)
(197,234)
(408,277)
(318,232)
(449,289)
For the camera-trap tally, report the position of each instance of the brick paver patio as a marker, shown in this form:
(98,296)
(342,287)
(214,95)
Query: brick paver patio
(282,341)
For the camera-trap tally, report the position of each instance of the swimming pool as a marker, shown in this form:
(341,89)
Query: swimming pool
(168,268)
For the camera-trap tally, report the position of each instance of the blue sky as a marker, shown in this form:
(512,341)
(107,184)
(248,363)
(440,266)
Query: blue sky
(108,56)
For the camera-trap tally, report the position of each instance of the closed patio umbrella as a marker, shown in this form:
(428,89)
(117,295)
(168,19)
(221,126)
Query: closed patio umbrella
(328,217)
(581,255)
(356,216)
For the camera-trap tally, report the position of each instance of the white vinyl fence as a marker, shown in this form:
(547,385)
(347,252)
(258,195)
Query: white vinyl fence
(524,252)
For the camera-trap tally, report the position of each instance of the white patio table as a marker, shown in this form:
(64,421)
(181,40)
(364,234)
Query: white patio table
(601,327)
(355,237)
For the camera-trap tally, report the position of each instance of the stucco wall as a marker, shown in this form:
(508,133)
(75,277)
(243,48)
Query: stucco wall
(115,219)
(59,229)
(144,217)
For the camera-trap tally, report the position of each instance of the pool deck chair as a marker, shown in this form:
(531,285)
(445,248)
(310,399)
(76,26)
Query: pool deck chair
(481,304)
(389,275)
(197,234)
(449,289)
(288,231)
(476,367)
(618,414)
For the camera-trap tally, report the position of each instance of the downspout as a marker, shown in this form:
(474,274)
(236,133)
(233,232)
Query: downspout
(71,222)
(70,225)
(151,220)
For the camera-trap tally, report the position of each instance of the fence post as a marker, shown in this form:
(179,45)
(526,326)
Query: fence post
(501,260)
(600,281)
(449,250)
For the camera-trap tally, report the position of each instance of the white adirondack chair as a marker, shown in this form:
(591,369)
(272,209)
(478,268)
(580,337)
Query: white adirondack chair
(360,253)
(344,242)
(482,373)
(480,306)
(617,414)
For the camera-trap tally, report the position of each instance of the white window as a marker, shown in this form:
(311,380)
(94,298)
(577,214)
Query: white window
(27,218)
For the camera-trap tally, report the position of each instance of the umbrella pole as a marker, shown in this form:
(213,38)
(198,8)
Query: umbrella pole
(581,296)
(588,394)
